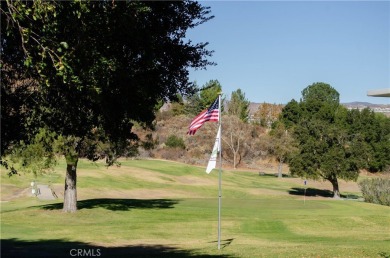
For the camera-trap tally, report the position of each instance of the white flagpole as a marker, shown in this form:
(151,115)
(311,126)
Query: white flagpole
(220,173)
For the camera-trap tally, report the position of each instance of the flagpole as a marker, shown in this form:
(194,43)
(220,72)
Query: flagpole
(220,173)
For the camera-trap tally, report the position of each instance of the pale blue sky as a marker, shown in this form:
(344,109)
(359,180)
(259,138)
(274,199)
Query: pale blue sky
(272,50)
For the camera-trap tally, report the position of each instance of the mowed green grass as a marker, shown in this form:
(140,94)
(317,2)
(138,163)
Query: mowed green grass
(149,208)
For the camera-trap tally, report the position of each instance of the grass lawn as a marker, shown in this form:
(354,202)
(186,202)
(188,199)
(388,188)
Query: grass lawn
(148,208)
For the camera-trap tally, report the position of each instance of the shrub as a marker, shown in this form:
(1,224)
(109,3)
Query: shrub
(175,142)
(376,190)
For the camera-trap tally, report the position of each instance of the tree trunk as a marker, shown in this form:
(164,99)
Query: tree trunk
(280,175)
(335,184)
(234,159)
(70,195)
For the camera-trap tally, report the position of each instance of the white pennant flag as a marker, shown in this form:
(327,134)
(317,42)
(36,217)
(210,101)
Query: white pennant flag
(217,147)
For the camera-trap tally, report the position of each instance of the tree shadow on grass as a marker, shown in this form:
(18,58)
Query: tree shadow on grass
(118,204)
(310,192)
(61,248)
(320,192)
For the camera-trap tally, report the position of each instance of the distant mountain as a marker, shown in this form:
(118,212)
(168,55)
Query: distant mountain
(364,104)
(357,103)
(255,105)
(379,108)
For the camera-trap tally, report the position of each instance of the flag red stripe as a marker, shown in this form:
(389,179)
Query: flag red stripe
(198,118)
(210,114)
(198,122)
(210,117)
(206,117)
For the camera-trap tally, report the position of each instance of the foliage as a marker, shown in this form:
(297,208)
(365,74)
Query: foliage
(282,145)
(93,68)
(175,142)
(325,149)
(238,105)
(38,155)
(203,97)
(177,107)
(320,92)
(373,131)
(173,108)
(209,93)
(18,94)
(104,78)
(149,143)
(376,190)
(193,105)
(267,114)
(291,114)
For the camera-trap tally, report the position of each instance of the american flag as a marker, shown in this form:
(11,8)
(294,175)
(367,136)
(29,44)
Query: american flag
(210,114)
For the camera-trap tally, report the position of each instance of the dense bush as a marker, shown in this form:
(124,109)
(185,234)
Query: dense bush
(175,142)
(376,190)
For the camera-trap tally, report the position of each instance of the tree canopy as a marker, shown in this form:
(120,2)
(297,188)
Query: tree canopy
(203,97)
(373,132)
(209,93)
(239,105)
(87,70)
(325,149)
(320,92)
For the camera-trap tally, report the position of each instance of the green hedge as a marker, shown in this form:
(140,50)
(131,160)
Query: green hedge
(376,190)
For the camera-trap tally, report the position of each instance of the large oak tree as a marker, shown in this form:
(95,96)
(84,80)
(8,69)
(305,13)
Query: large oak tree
(86,70)
(325,149)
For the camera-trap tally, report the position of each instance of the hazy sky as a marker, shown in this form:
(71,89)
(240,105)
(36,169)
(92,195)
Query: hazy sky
(272,50)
